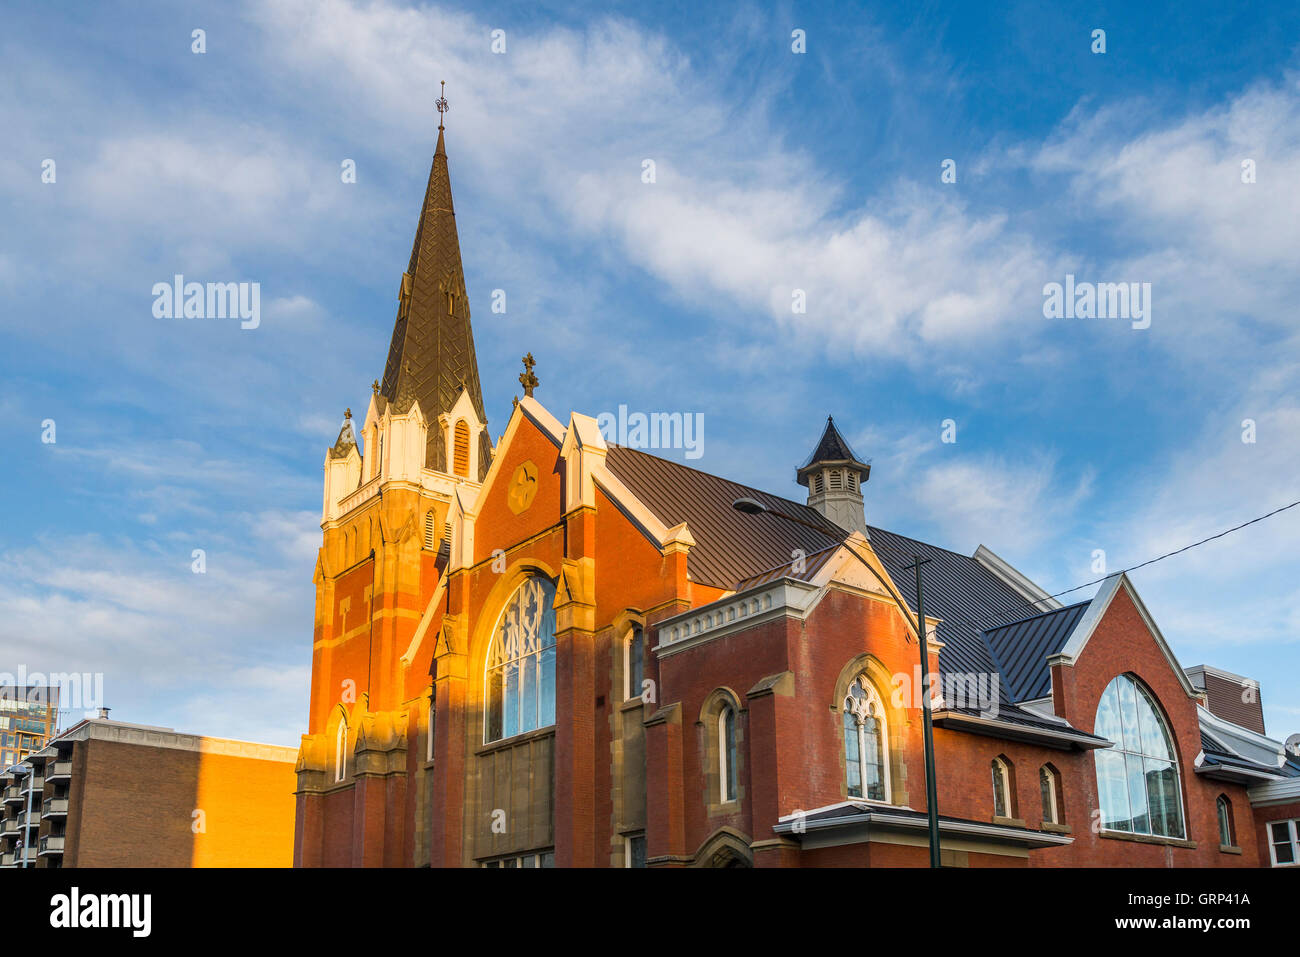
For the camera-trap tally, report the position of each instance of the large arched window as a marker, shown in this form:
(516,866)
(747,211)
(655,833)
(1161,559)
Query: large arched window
(865,761)
(521,663)
(1137,779)
(341,751)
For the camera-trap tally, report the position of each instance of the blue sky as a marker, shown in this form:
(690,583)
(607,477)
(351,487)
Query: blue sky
(775,171)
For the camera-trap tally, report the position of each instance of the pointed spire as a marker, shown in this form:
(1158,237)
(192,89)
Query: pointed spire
(832,447)
(432,350)
(347,439)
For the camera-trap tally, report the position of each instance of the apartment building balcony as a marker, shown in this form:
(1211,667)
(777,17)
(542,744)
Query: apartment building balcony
(33,783)
(51,844)
(15,857)
(9,826)
(58,771)
(55,807)
(13,794)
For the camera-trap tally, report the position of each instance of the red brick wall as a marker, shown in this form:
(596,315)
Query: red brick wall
(1259,825)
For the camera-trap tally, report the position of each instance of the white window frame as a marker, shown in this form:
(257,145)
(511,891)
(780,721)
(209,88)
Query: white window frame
(723,751)
(627,847)
(628,691)
(341,752)
(1051,791)
(873,698)
(1001,769)
(1223,817)
(1293,833)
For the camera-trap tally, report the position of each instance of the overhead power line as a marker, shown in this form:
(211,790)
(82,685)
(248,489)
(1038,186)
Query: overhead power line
(1152,561)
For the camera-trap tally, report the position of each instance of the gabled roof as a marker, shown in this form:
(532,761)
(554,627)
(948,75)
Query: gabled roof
(733,551)
(730,547)
(1020,649)
(431,356)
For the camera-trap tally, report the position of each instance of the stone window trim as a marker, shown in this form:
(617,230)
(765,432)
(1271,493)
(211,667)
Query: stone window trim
(624,629)
(1003,771)
(505,744)
(895,720)
(1054,803)
(710,755)
(341,750)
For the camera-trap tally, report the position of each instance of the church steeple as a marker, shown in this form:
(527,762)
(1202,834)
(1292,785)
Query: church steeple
(431,358)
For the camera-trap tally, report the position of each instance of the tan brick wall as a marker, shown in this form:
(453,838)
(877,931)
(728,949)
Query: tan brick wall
(135,804)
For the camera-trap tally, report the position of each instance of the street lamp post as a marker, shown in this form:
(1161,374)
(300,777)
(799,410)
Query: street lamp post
(751,506)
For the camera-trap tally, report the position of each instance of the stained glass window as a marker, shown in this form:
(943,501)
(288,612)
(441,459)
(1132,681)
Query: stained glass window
(521,663)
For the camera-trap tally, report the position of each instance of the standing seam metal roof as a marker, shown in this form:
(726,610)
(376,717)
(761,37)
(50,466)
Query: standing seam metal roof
(734,550)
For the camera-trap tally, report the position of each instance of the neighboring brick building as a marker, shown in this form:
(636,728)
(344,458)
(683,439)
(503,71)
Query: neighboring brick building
(562,652)
(110,794)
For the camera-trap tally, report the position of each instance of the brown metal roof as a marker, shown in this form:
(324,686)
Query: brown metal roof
(730,547)
(733,550)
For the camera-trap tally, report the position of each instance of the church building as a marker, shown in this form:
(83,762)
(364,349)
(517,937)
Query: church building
(556,651)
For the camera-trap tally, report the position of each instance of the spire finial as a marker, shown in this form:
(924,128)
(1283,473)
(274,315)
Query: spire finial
(347,413)
(374,387)
(442,104)
(526,378)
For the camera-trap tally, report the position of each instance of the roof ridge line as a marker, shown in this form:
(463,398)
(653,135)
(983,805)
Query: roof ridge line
(1041,614)
(733,482)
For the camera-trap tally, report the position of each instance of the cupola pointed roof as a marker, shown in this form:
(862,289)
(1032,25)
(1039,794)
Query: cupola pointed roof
(832,448)
(431,357)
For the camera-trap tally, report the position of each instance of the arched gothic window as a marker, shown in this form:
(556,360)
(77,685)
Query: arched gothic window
(865,759)
(634,665)
(341,751)
(1227,836)
(1002,792)
(520,675)
(1137,779)
(1048,784)
(727,753)
(430,529)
